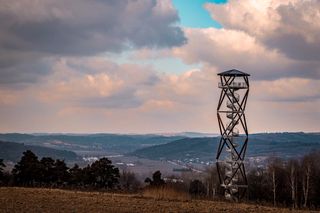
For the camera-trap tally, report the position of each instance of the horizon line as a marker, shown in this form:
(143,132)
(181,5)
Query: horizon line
(151,133)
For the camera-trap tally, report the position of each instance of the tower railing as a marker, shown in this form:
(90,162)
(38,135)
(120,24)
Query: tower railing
(233,85)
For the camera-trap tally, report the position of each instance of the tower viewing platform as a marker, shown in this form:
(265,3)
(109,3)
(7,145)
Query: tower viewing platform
(227,79)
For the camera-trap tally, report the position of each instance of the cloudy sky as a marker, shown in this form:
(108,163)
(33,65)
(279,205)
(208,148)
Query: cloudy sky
(149,66)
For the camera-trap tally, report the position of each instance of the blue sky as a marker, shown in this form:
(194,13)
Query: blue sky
(193,14)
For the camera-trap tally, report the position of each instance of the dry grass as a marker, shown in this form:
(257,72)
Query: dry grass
(166,193)
(55,200)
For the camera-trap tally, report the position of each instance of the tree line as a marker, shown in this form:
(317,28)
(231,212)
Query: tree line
(47,172)
(291,183)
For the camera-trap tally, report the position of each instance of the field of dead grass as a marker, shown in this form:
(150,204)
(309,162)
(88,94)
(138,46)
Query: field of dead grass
(55,200)
(166,193)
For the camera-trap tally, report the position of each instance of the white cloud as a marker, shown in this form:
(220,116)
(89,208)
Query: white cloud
(97,82)
(287,90)
(226,49)
(290,26)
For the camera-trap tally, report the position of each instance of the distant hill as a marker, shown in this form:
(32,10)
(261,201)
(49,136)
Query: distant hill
(179,149)
(174,146)
(260,145)
(10,151)
(107,143)
(192,134)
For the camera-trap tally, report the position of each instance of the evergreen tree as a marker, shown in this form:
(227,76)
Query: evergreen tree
(1,170)
(27,170)
(47,170)
(76,175)
(1,166)
(60,171)
(156,179)
(104,173)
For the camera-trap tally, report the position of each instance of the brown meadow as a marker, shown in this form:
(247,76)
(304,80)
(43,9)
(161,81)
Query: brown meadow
(13,199)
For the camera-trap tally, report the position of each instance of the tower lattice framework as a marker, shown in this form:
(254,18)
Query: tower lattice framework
(234,85)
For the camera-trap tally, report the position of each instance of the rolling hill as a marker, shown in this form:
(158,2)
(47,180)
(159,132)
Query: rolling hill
(159,147)
(104,143)
(10,151)
(260,145)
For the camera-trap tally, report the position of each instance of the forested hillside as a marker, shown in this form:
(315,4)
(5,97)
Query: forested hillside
(284,145)
(11,151)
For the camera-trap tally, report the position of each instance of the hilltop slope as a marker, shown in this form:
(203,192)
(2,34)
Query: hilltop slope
(10,151)
(264,144)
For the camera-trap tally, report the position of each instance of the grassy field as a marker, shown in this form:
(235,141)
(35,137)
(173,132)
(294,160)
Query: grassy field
(55,200)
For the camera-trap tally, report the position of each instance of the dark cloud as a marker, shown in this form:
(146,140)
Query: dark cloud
(87,27)
(82,28)
(25,73)
(294,46)
(298,35)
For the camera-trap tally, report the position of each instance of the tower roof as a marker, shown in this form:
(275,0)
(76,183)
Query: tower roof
(233,72)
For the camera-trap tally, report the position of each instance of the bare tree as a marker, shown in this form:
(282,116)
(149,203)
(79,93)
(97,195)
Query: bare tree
(273,171)
(293,171)
(129,181)
(212,181)
(273,167)
(306,165)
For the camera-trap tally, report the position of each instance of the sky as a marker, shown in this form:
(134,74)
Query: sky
(150,66)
